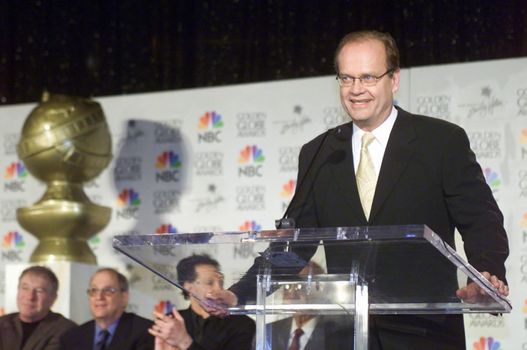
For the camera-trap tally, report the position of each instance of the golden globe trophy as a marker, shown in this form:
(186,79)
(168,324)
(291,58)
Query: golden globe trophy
(65,142)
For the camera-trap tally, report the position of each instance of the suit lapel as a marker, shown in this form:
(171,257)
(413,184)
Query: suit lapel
(343,172)
(122,333)
(398,153)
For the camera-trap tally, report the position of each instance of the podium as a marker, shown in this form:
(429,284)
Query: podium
(378,270)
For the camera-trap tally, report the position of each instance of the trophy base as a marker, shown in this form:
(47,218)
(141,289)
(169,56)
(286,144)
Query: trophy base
(63,228)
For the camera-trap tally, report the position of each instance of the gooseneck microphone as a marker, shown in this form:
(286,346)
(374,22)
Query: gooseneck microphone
(286,222)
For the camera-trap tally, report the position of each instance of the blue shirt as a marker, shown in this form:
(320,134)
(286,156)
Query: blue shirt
(98,334)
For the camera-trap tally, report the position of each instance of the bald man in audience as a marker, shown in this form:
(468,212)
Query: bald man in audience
(34,326)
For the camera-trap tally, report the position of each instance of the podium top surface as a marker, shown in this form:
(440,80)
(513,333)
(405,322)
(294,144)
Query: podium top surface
(407,269)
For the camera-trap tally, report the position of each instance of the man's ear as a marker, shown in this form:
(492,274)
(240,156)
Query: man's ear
(188,286)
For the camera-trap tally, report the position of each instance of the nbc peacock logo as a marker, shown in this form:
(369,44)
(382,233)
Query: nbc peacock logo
(15,170)
(209,126)
(523,143)
(168,166)
(251,159)
(523,136)
(13,239)
(288,189)
(15,174)
(250,225)
(523,221)
(487,343)
(128,197)
(492,179)
(168,160)
(166,229)
(128,202)
(164,307)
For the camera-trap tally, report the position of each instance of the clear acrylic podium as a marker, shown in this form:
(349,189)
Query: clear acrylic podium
(370,270)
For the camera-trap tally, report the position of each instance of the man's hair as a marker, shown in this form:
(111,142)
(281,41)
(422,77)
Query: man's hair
(43,272)
(186,268)
(121,279)
(392,52)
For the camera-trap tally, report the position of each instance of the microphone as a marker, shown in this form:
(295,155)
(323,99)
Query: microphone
(287,223)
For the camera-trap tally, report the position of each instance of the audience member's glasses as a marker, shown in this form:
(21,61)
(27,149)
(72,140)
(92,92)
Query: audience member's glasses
(107,291)
(365,79)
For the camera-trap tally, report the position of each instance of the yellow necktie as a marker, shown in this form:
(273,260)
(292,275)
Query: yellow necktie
(366,176)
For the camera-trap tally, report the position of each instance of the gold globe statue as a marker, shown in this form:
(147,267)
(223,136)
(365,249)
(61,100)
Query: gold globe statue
(65,142)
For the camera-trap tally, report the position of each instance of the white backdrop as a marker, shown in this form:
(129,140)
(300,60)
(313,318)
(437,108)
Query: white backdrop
(224,159)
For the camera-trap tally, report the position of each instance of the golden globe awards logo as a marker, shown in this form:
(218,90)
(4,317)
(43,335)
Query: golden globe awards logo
(168,131)
(250,198)
(208,163)
(127,169)
(251,124)
(486,144)
(166,201)
(522,101)
(250,162)
(8,208)
(434,106)
(333,116)
(10,142)
(288,159)
(210,125)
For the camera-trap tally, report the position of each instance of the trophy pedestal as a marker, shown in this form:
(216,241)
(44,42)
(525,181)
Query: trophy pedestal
(72,301)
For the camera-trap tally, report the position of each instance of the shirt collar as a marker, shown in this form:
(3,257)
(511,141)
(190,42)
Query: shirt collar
(382,132)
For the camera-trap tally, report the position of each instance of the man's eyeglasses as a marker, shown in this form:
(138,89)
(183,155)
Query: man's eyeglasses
(366,79)
(108,291)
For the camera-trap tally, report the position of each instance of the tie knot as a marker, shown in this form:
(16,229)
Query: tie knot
(298,332)
(367,138)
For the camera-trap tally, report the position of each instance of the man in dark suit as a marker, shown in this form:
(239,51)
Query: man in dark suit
(390,167)
(34,326)
(194,328)
(308,331)
(112,328)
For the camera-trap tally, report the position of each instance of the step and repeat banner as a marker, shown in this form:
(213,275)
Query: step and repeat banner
(225,159)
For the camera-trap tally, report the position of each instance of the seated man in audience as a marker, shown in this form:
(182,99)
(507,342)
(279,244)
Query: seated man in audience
(111,327)
(34,326)
(194,328)
(308,331)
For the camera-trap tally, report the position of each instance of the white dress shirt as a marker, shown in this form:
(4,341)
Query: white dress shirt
(378,146)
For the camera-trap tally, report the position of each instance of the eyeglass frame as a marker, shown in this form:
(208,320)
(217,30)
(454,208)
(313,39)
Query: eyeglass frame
(106,291)
(362,77)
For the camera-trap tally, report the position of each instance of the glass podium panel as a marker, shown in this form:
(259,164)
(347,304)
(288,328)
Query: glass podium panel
(406,269)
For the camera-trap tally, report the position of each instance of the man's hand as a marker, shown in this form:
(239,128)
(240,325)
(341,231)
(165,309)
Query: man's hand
(171,330)
(472,293)
(217,303)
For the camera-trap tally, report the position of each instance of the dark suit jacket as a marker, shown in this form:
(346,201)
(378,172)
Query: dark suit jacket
(215,333)
(428,176)
(131,334)
(331,332)
(44,337)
